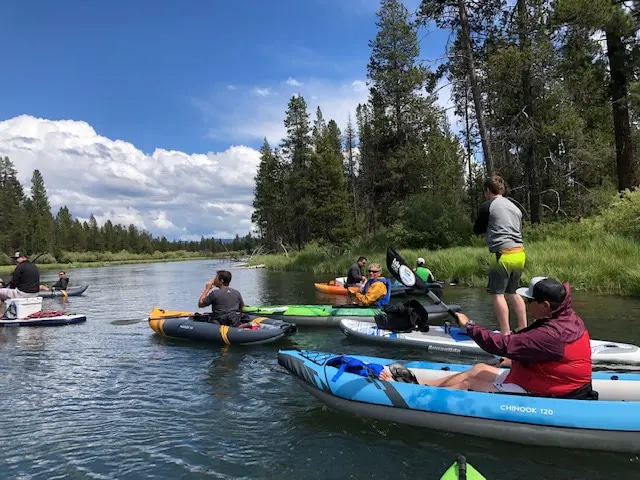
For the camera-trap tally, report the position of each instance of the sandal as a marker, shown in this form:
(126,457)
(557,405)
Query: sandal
(400,373)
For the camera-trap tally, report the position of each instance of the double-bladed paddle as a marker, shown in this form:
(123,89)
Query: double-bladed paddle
(405,275)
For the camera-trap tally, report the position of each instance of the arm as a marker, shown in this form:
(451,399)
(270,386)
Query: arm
(375,293)
(482,222)
(241,304)
(15,276)
(529,347)
(204,299)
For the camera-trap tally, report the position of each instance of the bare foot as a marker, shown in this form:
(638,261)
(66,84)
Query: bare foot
(385,374)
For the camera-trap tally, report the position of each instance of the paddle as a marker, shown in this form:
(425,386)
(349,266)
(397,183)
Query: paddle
(36,258)
(399,268)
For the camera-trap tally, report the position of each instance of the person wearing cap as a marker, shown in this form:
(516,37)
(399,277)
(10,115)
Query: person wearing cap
(423,272)
(549,358)
(500,220)
(25,279)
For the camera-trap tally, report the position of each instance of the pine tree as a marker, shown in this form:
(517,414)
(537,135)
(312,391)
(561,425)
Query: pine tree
(39,223)
(297,152)
(12,215)
(269,198)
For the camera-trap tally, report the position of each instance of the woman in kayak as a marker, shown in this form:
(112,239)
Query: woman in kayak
(549,358)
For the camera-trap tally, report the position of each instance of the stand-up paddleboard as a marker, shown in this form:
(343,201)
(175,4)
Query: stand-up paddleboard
(453,340)
(329,315)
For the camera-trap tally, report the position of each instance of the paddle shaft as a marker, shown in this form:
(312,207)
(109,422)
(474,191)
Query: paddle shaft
(394,263)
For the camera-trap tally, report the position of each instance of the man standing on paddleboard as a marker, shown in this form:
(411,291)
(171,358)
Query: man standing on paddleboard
(500,220)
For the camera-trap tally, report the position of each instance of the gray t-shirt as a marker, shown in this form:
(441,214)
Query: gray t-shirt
(501,222)
(224,300)
(354,275)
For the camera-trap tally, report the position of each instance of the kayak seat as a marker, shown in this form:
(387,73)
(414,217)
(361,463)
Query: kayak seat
(586,392)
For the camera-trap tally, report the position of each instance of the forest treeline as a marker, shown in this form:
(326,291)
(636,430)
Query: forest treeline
(28,225)
(549,98)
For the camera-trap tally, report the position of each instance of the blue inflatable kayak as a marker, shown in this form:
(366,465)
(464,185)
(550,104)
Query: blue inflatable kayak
(608,425)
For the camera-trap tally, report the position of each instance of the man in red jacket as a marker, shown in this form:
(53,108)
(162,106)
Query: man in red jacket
(550,358)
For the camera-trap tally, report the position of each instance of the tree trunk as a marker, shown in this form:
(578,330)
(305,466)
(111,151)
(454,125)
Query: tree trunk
(472,196)
(477,101)
(528,139)
(625,163)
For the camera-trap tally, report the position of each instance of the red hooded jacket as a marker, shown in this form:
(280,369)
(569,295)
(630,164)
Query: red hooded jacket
(551,357)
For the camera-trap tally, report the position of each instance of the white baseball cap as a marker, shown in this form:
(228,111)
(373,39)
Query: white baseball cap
(420,260)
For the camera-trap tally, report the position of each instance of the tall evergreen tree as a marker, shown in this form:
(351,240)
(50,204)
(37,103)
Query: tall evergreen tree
(12,234)
(329,186)
(297,152)
(269,198)
(351,167)
(39,222)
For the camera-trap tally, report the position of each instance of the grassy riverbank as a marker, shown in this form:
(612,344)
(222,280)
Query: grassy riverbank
(103,259)
(590,261)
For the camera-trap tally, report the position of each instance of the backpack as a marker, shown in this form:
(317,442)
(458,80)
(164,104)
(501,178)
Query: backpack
(404,317)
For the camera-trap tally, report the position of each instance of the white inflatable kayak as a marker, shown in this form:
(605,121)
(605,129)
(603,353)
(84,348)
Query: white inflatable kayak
(455,341)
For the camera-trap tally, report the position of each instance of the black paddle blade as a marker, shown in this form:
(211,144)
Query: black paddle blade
(403,273)
(399,268)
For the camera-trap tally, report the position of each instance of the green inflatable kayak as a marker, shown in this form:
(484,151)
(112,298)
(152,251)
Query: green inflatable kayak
(328,315)
(461,470)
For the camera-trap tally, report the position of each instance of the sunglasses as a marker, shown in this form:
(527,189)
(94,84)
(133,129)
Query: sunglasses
(374,271)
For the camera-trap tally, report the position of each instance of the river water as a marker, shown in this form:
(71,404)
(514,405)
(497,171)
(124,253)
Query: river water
(110,399)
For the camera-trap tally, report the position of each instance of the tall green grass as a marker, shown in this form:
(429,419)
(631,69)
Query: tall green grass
(604,264)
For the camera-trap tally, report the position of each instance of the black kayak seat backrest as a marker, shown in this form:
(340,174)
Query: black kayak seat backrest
(403,317)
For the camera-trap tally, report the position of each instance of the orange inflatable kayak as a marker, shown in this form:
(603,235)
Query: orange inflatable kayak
(332,288)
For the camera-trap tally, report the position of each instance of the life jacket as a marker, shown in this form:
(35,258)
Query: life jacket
(563,377)
(353,365)
(384,300)
(558,378)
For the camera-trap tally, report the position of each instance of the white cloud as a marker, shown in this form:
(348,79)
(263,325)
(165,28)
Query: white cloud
(168,192)
(292,82)
(262,92)
(240,116)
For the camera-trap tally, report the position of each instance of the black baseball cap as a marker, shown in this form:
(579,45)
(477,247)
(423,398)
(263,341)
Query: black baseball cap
(544,289)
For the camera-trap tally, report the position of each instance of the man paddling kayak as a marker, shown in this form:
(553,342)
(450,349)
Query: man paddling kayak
(549,358)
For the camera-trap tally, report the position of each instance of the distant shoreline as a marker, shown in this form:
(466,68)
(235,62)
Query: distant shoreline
(8,269)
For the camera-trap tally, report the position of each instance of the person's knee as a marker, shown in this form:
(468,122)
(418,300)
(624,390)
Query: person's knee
(481,367)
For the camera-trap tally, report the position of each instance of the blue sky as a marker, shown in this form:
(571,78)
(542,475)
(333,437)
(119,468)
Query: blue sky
(191,76)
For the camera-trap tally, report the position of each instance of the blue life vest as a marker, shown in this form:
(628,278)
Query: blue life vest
(352,365)
(384,300)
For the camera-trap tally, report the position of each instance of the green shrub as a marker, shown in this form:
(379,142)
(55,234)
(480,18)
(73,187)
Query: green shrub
(623,215)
